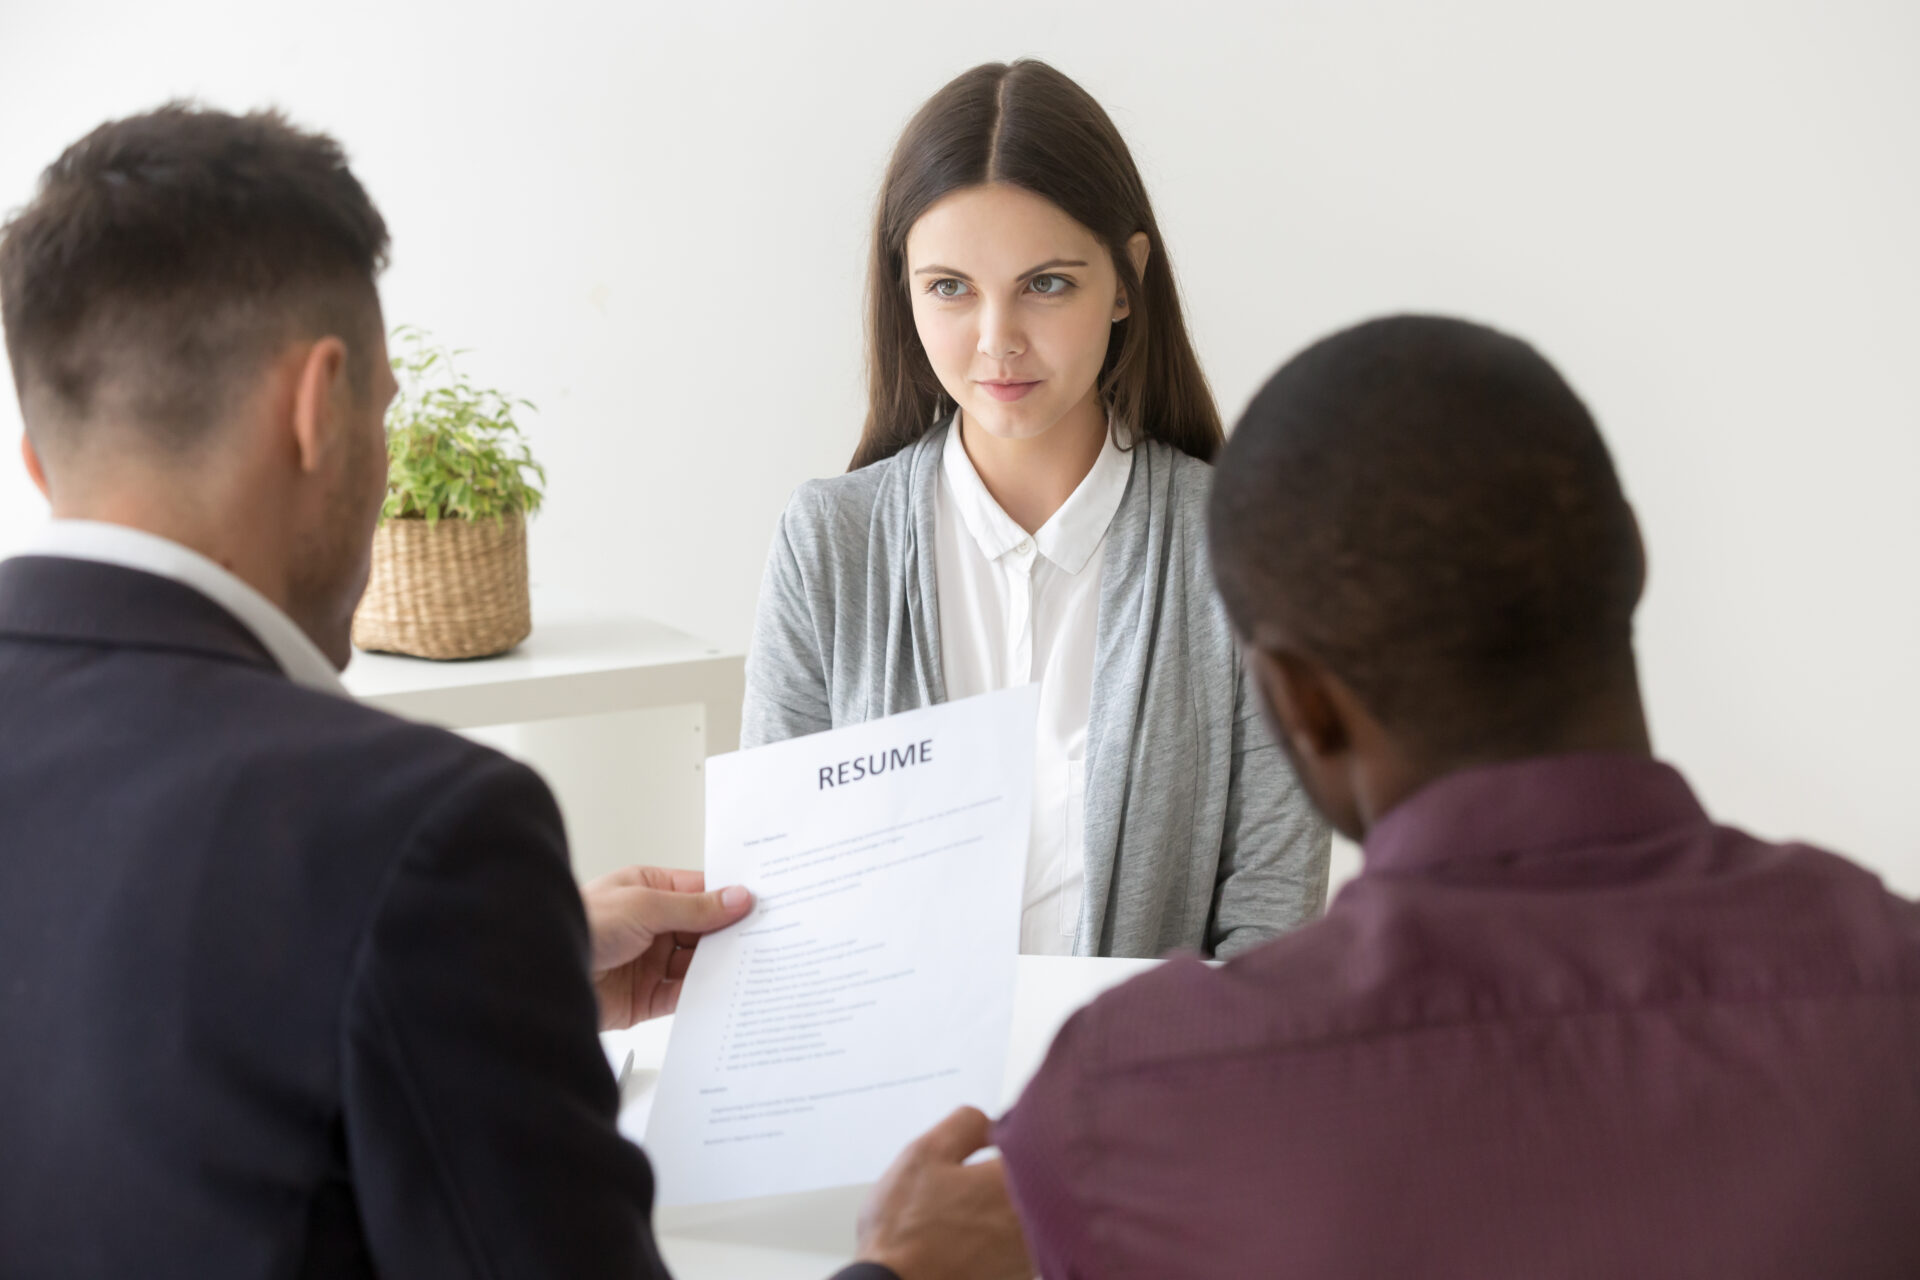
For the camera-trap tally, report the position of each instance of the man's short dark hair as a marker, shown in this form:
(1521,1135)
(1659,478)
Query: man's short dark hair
(166,256)
(1426,507)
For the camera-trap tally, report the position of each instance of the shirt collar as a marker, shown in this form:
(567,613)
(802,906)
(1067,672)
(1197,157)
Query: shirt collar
(1542,805)
(291,648)
(1073,533)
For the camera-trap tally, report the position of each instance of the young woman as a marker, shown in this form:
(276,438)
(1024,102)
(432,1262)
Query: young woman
(1027,504)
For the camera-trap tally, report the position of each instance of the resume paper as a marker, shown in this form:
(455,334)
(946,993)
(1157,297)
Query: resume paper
(870,992)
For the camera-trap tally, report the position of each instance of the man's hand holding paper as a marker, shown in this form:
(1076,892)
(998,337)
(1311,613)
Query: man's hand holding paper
(645,922)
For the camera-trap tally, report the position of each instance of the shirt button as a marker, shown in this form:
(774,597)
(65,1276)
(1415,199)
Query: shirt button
(1025,545)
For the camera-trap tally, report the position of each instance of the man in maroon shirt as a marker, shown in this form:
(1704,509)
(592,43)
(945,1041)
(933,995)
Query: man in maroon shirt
(1563,1024)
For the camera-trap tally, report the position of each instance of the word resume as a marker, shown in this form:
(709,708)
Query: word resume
(870,991)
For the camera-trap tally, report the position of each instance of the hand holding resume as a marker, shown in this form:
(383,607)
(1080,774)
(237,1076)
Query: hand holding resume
(870,992)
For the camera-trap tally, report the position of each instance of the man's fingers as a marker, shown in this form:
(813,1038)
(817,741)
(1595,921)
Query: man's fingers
(983,1177)
(677,962)
(662,911)
(961,1134)
(664,999)
(625,918)
(678,879)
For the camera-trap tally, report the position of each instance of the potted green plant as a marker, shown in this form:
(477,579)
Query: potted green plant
(450,556)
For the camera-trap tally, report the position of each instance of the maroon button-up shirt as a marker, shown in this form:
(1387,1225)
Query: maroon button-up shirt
(1562,1026)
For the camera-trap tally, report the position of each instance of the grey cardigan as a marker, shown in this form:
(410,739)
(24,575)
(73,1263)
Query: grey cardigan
(1197,834)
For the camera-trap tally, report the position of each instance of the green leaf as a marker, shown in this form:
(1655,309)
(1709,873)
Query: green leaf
(453,449)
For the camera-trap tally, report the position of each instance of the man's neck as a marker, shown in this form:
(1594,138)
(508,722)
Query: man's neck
(251,562)
(1033,478)
(1613,721)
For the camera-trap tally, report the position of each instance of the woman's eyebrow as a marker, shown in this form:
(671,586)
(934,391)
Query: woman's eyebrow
(1049,265)
(935,269)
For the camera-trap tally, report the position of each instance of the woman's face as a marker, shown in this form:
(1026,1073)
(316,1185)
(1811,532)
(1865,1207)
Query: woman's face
(1014,302)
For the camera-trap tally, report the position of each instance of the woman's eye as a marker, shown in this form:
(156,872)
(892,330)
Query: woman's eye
(1048,284)
(949,288)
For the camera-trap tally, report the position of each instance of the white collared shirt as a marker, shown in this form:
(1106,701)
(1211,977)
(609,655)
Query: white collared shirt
(1015,610)
(289,646)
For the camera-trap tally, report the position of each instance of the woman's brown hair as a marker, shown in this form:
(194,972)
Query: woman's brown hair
(1028,126)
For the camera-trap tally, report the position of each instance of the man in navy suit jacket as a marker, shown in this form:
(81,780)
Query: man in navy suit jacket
(288,986)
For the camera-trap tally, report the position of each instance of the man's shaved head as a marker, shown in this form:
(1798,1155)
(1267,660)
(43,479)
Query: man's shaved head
(192,316)
(1426,508)
(163,260)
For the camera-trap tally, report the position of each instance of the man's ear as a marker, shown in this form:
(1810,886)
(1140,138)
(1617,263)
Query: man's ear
(1640,549)
(1301,701)
(35,472)
(319,392)
(1139,247)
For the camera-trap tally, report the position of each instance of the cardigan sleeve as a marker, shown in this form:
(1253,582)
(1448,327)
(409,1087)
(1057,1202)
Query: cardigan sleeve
(786,678)
(1274,850)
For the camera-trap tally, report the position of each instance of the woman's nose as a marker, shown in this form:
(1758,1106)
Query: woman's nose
(1000,336)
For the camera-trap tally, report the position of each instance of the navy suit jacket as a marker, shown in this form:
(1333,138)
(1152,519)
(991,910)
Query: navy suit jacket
(288,986)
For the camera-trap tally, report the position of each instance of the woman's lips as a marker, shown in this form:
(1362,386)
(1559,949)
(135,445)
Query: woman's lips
(1005,391)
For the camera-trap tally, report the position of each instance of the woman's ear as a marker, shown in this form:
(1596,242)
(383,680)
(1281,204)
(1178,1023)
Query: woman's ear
(1138,249)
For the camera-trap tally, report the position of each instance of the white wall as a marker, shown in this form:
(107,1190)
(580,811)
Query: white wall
(650,219)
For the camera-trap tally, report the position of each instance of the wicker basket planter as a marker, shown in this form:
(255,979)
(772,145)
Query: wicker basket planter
(453,589)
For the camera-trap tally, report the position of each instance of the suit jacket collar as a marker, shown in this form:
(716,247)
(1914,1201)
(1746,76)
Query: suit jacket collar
(63,600)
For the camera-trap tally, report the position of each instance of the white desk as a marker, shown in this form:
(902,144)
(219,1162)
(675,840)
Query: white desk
(808,1237)
(577,662)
